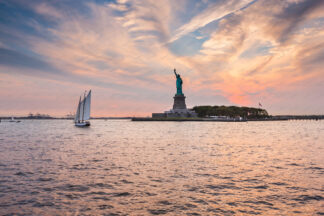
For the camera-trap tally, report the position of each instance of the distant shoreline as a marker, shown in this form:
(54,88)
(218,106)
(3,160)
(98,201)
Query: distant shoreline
(272,118)
(60,118)
(277,118)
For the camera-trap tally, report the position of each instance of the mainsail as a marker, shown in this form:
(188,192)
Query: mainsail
(86,104)
(77,114)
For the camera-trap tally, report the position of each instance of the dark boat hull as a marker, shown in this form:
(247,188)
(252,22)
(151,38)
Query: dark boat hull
(82,124)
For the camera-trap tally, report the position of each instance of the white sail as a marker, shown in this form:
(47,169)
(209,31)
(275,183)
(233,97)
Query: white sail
(77,114)
(81,110)
(86,103)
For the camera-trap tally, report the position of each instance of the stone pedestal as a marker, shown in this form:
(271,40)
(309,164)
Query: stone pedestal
(179,102)
(179,109)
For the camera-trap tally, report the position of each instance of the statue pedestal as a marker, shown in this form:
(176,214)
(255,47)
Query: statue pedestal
(179,102)
(180,108)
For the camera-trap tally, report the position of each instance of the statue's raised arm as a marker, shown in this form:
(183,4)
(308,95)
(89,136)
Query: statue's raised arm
(175,73)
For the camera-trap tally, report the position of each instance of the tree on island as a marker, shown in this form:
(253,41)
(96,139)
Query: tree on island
(231,111)
(38,116)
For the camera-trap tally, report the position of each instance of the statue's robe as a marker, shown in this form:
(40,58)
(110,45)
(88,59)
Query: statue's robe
(179,85)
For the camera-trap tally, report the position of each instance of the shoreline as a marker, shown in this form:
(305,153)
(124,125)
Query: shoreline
(203,119)
(273,118)
(277,118)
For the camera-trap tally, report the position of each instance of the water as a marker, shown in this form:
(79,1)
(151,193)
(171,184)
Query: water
(119,167)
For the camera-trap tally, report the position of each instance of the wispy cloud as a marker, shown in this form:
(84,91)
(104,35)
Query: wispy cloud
(48,11)
(15,59)
(214,12)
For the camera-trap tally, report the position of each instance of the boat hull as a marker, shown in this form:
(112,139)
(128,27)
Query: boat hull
(82,124)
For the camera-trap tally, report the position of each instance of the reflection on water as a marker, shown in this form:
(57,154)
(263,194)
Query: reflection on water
(175,168)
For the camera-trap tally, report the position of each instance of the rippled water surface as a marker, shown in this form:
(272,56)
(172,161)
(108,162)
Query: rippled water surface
(119,167)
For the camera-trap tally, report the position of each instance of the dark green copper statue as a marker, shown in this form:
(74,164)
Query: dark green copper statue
(179,83)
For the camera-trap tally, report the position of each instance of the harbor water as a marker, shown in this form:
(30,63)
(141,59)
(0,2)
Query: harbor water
(120,167)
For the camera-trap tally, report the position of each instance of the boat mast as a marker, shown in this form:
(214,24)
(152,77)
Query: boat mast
(83,106)
(79,109)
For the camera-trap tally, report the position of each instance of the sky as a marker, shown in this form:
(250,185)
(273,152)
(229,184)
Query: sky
(228,52)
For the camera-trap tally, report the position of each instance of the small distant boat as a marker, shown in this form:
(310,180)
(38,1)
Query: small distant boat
(13,120)
(83,111)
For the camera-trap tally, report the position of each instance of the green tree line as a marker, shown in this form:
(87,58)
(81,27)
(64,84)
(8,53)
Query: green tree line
(231,111)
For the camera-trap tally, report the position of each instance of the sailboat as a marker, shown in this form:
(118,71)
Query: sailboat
(13,120)
(83,111)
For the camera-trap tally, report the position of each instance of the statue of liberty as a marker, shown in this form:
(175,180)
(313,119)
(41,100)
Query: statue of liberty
(179,83)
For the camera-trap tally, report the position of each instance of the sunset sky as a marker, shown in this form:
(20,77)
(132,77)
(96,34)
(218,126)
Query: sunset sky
(228,52)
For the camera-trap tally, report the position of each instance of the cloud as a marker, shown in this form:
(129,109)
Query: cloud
(145,17)
(212,13)
(292,16)
(48,11)
(16,59)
